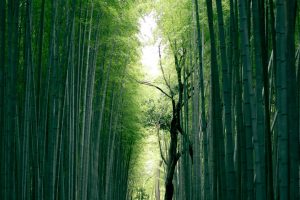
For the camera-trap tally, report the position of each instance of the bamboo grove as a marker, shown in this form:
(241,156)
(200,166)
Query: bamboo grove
(236,73)
(67,128)
(227,121)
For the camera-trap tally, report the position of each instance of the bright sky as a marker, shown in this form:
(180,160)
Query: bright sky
(150,64)
(150,56)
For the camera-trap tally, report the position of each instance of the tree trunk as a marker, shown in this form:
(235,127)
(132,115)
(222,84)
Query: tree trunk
(2,100)
(217,152)
(249,101)
(281,73)
(198,82)
(230,172)
(260,183)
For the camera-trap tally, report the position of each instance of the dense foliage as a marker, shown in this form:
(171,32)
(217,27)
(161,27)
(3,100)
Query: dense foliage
(77,113)
(235,63)
(69,112)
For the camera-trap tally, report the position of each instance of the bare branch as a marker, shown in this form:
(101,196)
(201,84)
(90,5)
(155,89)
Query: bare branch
(190,147)
(163,72)
(149,84)
(161,153)
(187,76)
(188,97)
(182,57)
(179,154)
(155,86)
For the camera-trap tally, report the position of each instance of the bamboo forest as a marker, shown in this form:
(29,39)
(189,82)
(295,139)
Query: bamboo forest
(149,100)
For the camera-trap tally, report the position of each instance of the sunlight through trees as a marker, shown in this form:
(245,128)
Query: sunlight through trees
(149,99)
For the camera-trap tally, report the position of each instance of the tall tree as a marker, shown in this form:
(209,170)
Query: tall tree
(260,183)
(230,172)
(2,92)
(203,117)
(217,139)
(281,60)
(249,107)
